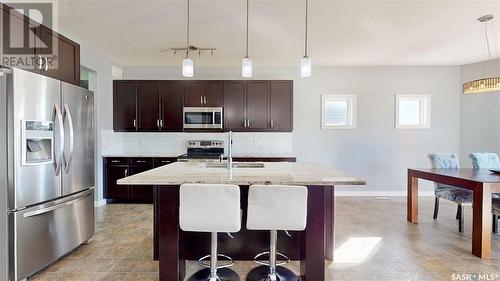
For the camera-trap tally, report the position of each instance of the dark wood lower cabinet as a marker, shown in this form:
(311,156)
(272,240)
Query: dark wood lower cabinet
(113,190)
(140,193)
(116,168)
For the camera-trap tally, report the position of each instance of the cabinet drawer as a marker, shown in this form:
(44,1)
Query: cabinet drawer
(141,161)
(113,161)
(164,161)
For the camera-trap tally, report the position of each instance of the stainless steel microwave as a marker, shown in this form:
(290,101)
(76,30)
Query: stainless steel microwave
(203,118)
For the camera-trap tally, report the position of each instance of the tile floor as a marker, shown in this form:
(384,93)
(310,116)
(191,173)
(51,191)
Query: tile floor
(374,242)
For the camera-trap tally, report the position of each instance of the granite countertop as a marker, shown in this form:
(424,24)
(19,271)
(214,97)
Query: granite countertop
(166,155)
(273,173)
(175,155)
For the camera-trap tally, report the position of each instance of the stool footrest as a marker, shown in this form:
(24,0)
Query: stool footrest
(261,273)
(266,262)
(203,261)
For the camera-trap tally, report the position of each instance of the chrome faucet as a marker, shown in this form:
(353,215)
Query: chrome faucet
(230,151)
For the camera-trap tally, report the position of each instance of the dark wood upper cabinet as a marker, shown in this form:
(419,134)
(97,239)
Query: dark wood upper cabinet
(193,93)
(124,105)
(148,108)
(203,93)
(281,106)
(43,50)
(62,59)
(248,106)
(18,39)
(213,93)
(234,106)
(171,102)
(257,98)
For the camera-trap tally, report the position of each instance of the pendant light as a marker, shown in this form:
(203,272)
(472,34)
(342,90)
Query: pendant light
(486,84)
(305,62)
(187,63)
(246,62)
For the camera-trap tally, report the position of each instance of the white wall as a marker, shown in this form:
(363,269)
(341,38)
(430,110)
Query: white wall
(480,113)
(103,103)
(375,151)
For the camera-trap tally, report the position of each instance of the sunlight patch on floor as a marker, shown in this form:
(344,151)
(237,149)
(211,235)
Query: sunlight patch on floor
(356,250)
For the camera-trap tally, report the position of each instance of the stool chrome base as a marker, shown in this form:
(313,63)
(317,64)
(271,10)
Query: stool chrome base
(261,273)
(223,274)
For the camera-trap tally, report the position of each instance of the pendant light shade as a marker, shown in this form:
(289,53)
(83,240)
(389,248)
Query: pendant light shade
(187,67)
(246,68)
(488,83)
(246,62)
(305,67)
(187,63)
(305,62)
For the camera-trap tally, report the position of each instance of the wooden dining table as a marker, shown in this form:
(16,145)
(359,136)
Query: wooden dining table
(482,182)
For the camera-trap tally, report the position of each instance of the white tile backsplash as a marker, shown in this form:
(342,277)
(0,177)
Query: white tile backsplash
(173,144)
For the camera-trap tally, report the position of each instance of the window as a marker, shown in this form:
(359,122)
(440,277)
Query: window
(338,112)
(413,111)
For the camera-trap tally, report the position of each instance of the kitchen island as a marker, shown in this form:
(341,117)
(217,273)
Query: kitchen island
(311,246)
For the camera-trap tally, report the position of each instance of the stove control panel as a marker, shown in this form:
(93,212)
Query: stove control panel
(205,144)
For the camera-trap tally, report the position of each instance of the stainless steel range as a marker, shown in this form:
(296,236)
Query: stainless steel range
(46,171)
(203,150)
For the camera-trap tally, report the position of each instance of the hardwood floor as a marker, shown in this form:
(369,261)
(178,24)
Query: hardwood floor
(373,242)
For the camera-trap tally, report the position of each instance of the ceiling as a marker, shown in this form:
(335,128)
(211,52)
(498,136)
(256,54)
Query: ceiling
(342,32)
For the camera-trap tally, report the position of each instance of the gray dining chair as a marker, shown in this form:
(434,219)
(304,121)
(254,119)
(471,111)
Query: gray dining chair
(489,160)
(461,196)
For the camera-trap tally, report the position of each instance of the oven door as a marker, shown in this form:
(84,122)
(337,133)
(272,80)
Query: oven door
(203,118)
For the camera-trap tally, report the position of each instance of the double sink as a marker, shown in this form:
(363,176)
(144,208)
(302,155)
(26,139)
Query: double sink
(235,165)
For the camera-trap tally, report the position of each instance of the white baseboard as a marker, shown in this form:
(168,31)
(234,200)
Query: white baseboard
(99,203)
(371,193)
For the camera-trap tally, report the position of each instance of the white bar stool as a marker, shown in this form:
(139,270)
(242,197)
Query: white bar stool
(211,208)
(273,208)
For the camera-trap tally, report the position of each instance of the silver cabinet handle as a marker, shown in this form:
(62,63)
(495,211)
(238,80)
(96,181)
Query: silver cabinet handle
(55,207)
(201,99)
(67,114)
(248,123)
(272,123)
(40,62)
(161,123)
(205,99)
(158,123)
(141,161)
(126,172)
(58,159)
(115,161)
(135,123)
(46,65)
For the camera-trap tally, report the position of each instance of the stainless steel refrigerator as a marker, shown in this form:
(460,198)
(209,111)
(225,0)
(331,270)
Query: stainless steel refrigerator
(46,171)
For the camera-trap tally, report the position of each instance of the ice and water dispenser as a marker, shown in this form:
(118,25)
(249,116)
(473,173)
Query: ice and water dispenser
(37,142)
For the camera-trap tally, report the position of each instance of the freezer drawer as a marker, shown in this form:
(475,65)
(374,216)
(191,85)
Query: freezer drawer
(43,234)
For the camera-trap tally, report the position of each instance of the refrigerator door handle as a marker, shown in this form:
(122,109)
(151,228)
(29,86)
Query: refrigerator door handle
(55,207)
(67,114)
(58,158)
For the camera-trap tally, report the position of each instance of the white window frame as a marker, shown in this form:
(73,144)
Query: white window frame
(424,114)
(351,111)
